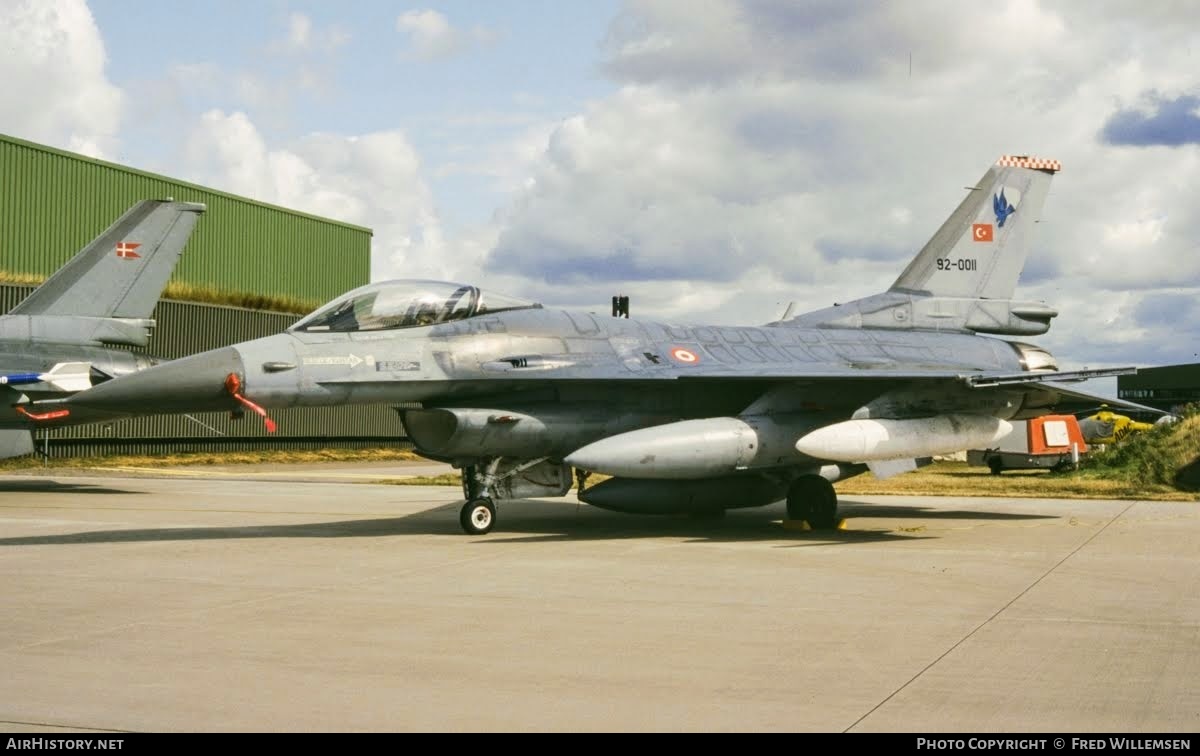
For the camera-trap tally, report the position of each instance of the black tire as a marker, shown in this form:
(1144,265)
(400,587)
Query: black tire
(996,465)
(813,499)
(824,510)
(477,516)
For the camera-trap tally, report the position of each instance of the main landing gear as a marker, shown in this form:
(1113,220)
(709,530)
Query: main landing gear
(813,499)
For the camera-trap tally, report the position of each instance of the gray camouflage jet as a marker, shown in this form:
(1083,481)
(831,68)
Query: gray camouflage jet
(686,419)
(59,340)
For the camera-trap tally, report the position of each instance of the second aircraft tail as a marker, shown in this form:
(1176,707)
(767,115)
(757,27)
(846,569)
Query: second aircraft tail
(122,272)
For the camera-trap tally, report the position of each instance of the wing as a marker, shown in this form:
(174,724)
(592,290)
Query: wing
(1052,391)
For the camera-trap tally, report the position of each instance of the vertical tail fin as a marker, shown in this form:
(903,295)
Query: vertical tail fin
(122,272)
(964,277)
(979,252)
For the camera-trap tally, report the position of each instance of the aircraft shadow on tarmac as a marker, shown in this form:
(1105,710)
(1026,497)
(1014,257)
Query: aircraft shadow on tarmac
(850,508)
(34,486)
(530,524)
(537,522)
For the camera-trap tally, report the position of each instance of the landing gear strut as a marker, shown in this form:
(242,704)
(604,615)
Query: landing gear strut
(812,498)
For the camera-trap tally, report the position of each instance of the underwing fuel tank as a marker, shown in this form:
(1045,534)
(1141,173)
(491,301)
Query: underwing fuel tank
(689,449)
(881,440)
(452,432)
(684,496)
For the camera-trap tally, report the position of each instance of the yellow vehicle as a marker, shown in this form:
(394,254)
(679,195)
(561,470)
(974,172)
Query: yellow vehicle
(1107,427)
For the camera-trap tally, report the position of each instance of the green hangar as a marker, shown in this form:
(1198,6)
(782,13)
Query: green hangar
(250,269)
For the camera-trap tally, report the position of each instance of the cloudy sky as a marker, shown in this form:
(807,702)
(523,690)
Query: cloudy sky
(713,159)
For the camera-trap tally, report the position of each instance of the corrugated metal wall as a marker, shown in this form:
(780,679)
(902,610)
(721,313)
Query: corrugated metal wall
(53,202)
(185,328)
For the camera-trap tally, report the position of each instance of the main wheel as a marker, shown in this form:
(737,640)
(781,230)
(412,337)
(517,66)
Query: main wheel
(996,465)
(813,499)
(823,514)
(477,516)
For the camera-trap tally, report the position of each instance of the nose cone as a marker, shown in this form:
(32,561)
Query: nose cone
(192,384)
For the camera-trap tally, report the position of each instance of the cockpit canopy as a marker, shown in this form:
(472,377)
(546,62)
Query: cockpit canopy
(406,304)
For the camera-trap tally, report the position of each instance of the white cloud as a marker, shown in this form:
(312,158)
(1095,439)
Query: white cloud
(431,35)
(54,86)
(372,180)
(299,30)
(302,36)
(763,150)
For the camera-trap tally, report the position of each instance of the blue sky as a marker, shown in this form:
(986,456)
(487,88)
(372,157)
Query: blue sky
(713,159)
(534,62)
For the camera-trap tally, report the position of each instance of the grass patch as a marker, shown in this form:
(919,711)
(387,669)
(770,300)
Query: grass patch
(197,293)
(1166,455)
(274,457)
(957,479)
(21,279)
(185,292)
(445,479)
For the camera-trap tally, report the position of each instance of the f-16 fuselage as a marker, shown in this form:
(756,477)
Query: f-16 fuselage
(685,418)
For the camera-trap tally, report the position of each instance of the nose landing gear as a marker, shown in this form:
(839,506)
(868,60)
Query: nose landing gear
(477,516)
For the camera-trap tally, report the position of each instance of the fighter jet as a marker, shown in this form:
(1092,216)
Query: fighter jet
(684,418)
(59,340)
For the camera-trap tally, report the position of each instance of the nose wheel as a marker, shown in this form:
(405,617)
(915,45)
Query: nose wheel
(477,516)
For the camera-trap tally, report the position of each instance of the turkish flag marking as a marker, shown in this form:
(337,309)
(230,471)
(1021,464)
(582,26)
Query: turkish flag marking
(981,231)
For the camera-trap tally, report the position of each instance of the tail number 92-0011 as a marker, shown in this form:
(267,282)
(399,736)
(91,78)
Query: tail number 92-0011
(960,264)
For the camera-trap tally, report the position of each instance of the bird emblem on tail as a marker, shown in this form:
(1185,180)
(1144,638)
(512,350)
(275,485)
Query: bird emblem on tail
(1002,207)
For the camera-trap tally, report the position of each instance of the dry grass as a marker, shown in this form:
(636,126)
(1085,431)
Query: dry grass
(445,479)
(950,479)
(21,279)
(186,292)
(300,457)
(957,479)
(939,479)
